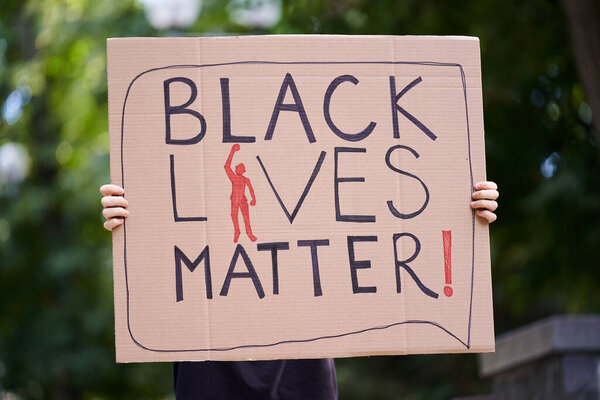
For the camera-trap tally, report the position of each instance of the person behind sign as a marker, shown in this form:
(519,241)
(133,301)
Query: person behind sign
(277,379)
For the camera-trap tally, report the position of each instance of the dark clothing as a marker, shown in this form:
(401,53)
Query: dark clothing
(256,380)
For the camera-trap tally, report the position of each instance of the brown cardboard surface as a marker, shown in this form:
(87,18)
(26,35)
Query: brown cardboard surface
(364,274)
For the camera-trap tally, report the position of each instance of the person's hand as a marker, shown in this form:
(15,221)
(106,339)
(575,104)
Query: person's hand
(253,202)
(235,147)
(484,200)
(114,206)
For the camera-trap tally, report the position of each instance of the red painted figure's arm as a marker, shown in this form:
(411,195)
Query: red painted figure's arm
(228,169)
(253,201)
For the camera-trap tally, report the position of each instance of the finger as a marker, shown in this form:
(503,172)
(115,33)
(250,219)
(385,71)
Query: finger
(486,185)
(114,201)
(113,212)
(486,195)
(112,223)
(111,190)
(487,215)
(485,204)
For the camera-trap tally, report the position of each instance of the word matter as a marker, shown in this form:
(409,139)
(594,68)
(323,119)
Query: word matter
(312,245)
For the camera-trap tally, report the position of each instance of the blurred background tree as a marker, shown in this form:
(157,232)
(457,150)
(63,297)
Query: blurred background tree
(56,312)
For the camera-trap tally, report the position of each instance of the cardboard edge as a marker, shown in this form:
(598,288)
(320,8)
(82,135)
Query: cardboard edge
(298,36)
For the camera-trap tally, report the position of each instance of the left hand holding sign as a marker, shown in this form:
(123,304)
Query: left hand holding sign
(484,200)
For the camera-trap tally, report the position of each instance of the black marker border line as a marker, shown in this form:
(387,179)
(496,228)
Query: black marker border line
(382,327)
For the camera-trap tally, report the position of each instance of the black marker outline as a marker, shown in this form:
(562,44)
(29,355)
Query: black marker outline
(467,344)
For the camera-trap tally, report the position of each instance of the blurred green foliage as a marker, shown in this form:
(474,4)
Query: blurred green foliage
(56,316)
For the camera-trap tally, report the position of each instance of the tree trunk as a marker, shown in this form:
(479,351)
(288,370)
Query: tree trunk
(584,24)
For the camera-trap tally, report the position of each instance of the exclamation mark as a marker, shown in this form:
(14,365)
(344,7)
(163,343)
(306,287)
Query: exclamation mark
(447,238)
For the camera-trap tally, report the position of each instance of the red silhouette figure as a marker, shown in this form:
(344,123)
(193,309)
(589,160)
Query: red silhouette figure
(238,196)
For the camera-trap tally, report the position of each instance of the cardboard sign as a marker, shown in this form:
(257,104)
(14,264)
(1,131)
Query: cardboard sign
(298,197)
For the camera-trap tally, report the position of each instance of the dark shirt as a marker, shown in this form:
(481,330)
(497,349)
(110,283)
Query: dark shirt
(256,380)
